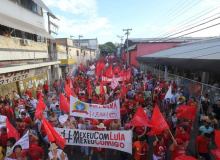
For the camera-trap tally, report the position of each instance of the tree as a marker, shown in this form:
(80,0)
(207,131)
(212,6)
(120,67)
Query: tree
(106,48)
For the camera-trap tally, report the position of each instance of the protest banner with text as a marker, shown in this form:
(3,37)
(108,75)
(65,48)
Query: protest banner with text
(119,140)
(119,78)
(88,110)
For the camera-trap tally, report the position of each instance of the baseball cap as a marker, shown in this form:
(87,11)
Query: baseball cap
(180,142)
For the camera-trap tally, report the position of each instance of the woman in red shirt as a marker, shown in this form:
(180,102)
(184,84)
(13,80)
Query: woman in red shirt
(177,148)
(159,149)
(18,152)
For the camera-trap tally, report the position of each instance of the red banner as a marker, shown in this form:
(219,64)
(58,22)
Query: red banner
(119,78)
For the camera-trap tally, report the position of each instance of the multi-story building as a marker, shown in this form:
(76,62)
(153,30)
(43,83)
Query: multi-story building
(74,54)
(24,59)
(88,43)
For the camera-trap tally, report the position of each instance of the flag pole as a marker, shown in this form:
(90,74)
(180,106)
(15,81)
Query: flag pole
(172,137)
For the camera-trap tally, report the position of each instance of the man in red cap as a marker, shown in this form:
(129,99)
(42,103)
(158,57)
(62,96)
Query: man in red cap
(177,148)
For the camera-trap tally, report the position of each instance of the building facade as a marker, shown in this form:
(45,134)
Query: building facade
(24,59)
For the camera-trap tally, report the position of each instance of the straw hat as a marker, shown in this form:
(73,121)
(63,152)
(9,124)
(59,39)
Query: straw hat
(101,125)
(53,146)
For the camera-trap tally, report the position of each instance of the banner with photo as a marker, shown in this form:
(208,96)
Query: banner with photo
(97,111)
(119,140)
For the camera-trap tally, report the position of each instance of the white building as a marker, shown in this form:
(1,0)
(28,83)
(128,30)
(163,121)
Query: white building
(24,59)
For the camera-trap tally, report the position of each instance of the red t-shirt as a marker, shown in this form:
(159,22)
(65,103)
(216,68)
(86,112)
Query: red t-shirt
(193,103)
(162,96)
(83,98)
(178,152)
(202,144)
(29,93)
(21,129)
(160,150)
(35,152)
(166,138)
(101,102)
(27,120)
(140,100)
(123,110)
(9,112)
(3,111)
(189,127)
(144,148)
(139,130)
(3,138)
(46,87)
(94,99)
(23,153)
(185,137)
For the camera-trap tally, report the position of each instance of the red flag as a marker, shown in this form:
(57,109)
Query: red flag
(48,131)
(102,65)
(216,153)
(116,69)
(81,64)
(40,106)
(109,72)
(217,138)
(124,90)
(122,72)
(102,90)
(158,122)
(64,105)
(59,140)
(107,122)
(89,89)
(185,158)
(140,118)
(69,91)
(187,112)
(12,132)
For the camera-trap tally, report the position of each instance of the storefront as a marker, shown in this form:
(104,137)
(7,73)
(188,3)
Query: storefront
(66,65)
(20,81)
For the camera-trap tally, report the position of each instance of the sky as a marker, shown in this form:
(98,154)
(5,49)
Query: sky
(105,19)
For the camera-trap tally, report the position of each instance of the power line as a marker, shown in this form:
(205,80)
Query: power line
(178,28)
(165,22)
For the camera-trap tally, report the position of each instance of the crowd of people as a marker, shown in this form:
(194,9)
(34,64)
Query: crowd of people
(141,91)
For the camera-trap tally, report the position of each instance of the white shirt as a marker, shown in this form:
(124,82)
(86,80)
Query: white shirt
(34,102)
(53,106)
(39,122)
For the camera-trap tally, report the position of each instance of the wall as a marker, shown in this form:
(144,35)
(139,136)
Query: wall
(8,89)
(133,60)
(11,49)
(61,41)
(145,49)
(16,11)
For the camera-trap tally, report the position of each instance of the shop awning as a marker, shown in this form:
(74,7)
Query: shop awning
(23,26)
(27,66)
(41,4)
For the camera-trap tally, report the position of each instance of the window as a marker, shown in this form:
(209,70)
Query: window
(41,39)
(77,52)
(29,4)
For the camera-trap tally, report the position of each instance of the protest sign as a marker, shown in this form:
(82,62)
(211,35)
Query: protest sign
(87,110)
(119,140)
(23,141)
(97,89)
(146,94)
(119,78)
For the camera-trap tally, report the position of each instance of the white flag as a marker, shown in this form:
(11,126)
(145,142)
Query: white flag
(114,83)
(23,141)
(92,67)
(169,93)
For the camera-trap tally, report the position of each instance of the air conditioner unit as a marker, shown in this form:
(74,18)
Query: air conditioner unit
(25,42)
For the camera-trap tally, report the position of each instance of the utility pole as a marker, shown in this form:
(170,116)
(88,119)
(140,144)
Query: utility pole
(80,36)
(127,32)
(121,43)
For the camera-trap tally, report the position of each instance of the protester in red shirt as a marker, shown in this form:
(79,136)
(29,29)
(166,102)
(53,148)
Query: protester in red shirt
(123,112)
(182,134)
(29,93)
(25,119)
(100,101)
(18,153)
(46,87)
(159,148)
(9,113)
(166,137)
(140,99)
(83,98)
(94,98)
(35,152)
(20,126)
(4,137)
(177,148)
(186,123)
(202,146)
(193,102)
(174,86)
